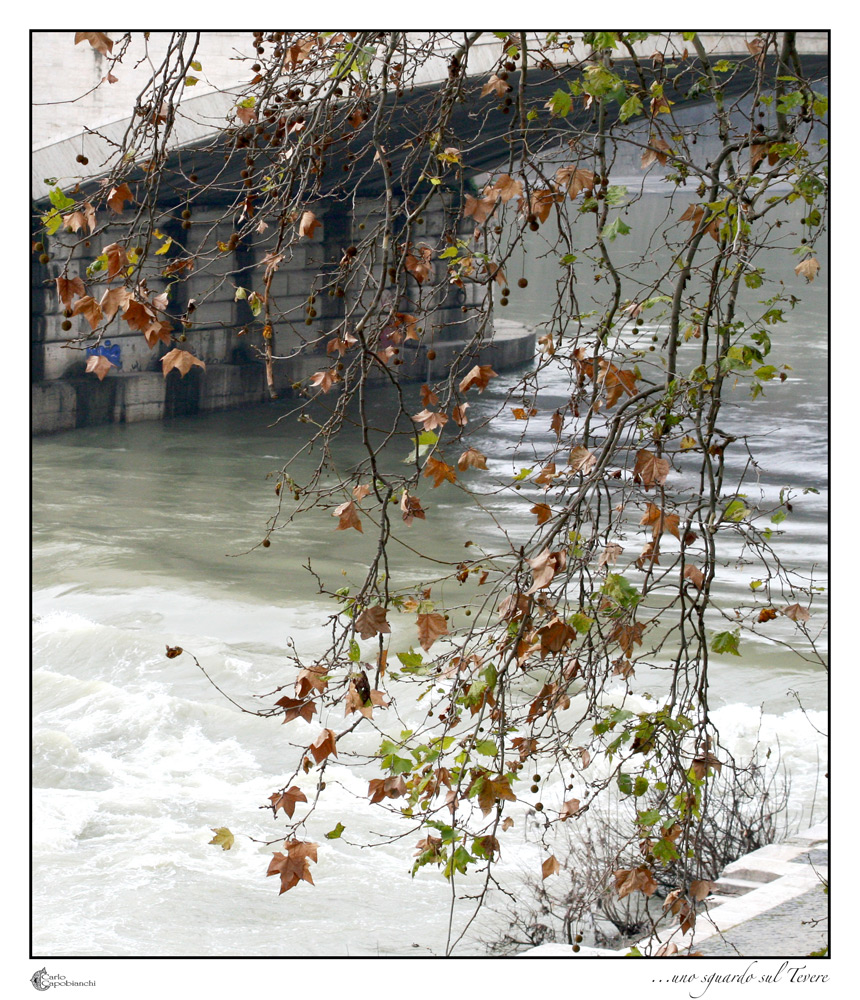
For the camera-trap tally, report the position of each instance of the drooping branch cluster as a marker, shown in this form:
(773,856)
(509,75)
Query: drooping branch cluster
(336,147)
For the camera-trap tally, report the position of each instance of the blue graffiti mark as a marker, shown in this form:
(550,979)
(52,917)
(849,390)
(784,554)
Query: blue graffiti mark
(110,351)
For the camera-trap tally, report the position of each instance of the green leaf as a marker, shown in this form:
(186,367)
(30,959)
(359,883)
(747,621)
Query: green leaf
(640,786)
(59,200)
(249,102)
(625,783)
(615,228)
(190,81)
(568,258)
(726,642)
(195,65)
(615,195)
(354,651)
(664,850)
(52,221)
(778,517)
(736,511)
(336,832)
(411,660)
(487,747)
(632,106)
(649,817)
(580,622)
(256,303)
(561,104)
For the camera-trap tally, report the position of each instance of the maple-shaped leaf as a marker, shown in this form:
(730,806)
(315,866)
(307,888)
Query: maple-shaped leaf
(541,202)
(700,889)
(634,880)
(703,762)
(458,414)
(117,259)
(472,459)
(507,187)
(371,622)
(98,39)
(431,626)
(555,637)
(411,508)
(308,224)
(796,612)
(294,866)
(87,307)
(161,330)
(99,365)
(656,153)
(223,838)
(341,344)
(581,460)
(808,268)
(496,86)
(439,472)
(694,575)
(428,397)
(419,264)
(479,209)
(311,679)
(182,361)
(80,219)
(296,708)
(325,379)
(542,511)
(544,567)
(649,469)
(521,413)
(361,491)
(491,791)
(115,300)
(626,636)
(697,214)
(348,515)
(550,867)
(287,800)
(430,420)
(609,556)
(546,475)
(478,376)
(324,745)
(570,808)
(360,698)
(660,521)
(118,196)
(386,788)
(617,381)
(138,315)
(69,288)
(574,179)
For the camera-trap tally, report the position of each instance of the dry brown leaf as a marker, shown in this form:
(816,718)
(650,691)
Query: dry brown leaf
(808,268)
(431,626)
(472,459)
(550,867)
(287,800)
(308,224)
(372,621)
(348,515)
(98,364)
(649,469)
(439,472)
(324,745)
(796,612)
(70,288)
(182,361)
(117,198)
(98,39)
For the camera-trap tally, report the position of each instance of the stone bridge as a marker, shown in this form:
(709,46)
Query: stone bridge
(63,397)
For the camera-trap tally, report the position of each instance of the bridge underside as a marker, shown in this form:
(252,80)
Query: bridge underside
(64,397)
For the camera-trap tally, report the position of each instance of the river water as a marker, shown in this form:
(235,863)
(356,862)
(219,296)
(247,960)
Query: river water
(138,535)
